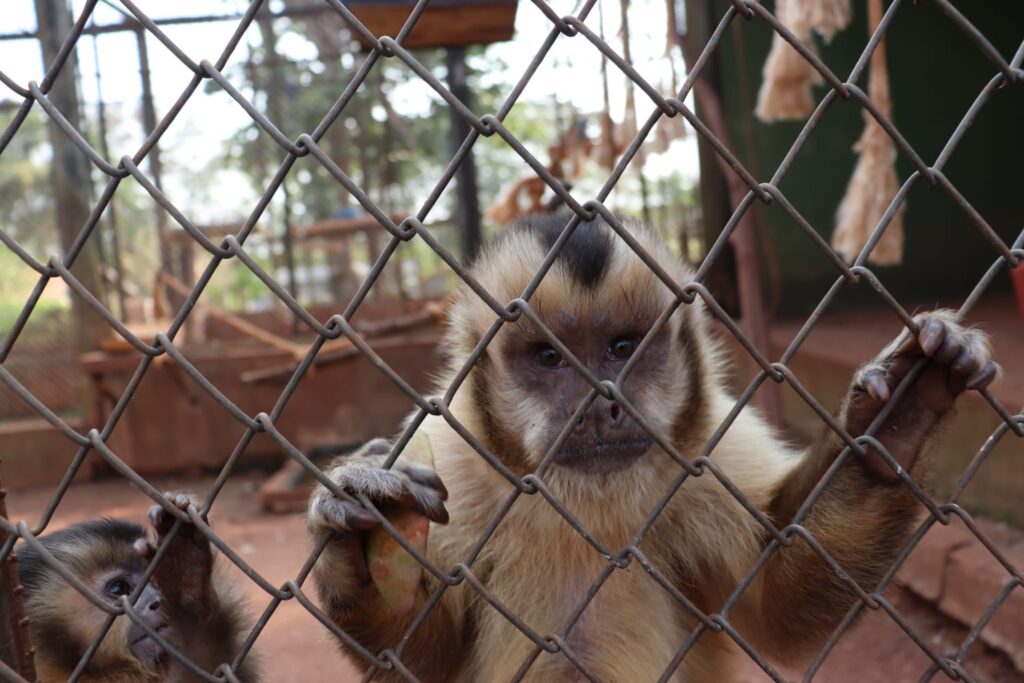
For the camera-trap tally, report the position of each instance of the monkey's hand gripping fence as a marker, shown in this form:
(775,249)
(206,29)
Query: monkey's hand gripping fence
(1006,73)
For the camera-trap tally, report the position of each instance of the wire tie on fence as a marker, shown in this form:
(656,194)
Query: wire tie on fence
(333,326)
(778,372)
(435,403)
(590,210)
(610,390)
(488,125)
(765,191)
(514,310)
(742,7)
(690,292)
(551,645)
(568,25)
(227,673)
(383,46)
(622,559)
(409,227)
(528,484)
(787,535)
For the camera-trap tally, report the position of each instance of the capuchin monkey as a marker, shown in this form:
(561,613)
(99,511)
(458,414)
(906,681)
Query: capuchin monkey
(601,300)
(187,602)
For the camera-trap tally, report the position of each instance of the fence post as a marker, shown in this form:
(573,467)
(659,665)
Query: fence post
(468,207)
(753,317)
(15,643)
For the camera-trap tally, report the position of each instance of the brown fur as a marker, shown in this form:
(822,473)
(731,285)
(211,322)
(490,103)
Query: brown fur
(541,569)
(64,623)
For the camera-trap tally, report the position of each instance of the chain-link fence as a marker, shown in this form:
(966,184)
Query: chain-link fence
(1006,73)
(44,361)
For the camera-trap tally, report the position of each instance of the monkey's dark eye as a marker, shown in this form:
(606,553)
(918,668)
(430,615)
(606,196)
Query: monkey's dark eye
(548,356)
(623,347)
(118,588)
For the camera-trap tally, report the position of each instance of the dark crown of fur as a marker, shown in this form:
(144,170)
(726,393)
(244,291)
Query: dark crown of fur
(32,570)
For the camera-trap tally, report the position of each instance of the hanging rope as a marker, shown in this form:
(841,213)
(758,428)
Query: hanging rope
(785,93)
(873,183)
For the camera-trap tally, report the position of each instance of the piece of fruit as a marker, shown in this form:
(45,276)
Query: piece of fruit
(394,571)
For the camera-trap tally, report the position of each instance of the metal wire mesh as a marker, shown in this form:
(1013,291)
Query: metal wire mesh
(1006,73)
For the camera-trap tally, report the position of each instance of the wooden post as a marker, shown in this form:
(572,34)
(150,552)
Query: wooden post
(468,208)
(275,110)
(69,174)
(15,643)
(115,241)
(753,320)
(155,164)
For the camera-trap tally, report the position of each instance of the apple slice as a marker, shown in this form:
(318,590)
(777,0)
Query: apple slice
(394,571)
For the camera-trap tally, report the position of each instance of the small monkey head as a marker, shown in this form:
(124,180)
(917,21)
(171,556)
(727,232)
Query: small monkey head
(601,301)
(63,622)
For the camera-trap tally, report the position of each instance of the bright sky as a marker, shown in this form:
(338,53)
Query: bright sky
(571,73)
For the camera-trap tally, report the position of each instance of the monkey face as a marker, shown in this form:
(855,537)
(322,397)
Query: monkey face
(64,622)
(120,582)
(605,438)
(601,301)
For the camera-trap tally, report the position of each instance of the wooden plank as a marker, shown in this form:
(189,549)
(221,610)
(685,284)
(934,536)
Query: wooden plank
(441,26)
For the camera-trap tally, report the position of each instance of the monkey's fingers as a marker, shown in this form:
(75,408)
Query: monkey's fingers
(963,351)
(376,446)
(875,383)
(983,377)
(426,477)
(330,512)
(427,500)
(409,485)
(160,519)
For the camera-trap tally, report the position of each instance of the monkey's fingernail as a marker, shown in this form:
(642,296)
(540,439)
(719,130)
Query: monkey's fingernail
(439,515)
(966,363)
(877,387)
(358,518)
(141,547)
(983,377)
(155,513)
(949,350)
(931,336)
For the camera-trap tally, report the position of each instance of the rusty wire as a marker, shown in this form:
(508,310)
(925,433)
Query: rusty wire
(574,27)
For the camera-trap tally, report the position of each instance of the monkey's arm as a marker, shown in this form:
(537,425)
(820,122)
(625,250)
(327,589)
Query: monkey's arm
(346,591)
(864,515)
(203,603)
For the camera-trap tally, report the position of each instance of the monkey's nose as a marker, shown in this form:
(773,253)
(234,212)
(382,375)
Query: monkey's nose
(153,604)
(616,413)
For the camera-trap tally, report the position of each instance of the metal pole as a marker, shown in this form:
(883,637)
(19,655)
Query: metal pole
(467,210)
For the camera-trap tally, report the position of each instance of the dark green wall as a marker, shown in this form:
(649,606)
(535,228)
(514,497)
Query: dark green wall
(936,73)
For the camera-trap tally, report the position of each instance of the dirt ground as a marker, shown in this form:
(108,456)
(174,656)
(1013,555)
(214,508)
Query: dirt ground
(294,647)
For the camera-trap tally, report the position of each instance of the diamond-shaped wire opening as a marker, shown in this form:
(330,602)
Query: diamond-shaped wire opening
(338,325)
